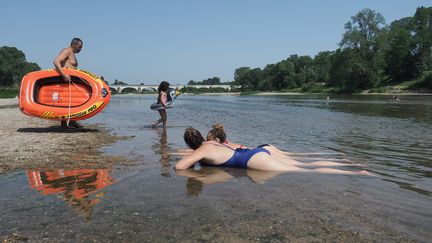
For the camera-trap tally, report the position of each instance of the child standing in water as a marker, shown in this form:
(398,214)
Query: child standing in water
(162,99)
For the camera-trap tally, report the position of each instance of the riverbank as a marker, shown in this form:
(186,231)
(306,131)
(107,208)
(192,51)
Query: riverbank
(34,143)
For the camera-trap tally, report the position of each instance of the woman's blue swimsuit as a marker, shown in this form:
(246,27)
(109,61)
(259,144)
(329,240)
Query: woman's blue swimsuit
(241,157)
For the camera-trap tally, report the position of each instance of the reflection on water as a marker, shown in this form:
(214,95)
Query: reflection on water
(79,187)
(206,176)
(161,147)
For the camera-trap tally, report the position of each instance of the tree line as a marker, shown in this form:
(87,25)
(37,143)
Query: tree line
(370,54)
(209,81)
(13,66)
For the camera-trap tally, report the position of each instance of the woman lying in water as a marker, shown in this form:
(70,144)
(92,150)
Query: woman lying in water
(215,154)
(217,133)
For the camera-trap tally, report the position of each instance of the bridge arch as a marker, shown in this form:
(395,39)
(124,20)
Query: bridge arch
(113,90)
(129,89)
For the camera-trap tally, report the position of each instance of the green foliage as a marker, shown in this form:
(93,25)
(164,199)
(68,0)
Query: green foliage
(314,88)
(9,92)
(248,93)
(365,37)
(194,90)
(371,55)
(423,36)
(118,82)
(322,64)
(209,81)
(379,90)
(13,66)
(400,55)
(425,82)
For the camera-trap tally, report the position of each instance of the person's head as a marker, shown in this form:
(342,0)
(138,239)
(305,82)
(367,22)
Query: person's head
(217,133)
(163,86)
(76,45)
(193,138)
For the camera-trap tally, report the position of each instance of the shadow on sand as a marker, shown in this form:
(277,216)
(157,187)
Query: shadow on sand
(56,129)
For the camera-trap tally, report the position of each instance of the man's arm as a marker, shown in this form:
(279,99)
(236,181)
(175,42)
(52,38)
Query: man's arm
(64,54)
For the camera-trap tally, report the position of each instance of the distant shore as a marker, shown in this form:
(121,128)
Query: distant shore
(299,93)
(34,143)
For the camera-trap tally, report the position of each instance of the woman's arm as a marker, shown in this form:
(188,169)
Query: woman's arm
(190,160)
(163,98)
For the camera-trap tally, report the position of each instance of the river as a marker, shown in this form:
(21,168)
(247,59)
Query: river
(149,201)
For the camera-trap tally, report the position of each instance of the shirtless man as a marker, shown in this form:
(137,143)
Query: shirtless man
(67,58)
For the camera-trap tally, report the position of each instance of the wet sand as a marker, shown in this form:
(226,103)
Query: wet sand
(34,143)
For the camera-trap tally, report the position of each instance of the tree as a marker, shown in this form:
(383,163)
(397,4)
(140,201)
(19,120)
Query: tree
(13,66)
(366,36)
(423,31)
(211,81)
(118,82)
(240,77)
(400,55)
(322,64)
(348,72)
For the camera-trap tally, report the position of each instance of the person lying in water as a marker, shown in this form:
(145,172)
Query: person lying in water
(218,134)
(216,154)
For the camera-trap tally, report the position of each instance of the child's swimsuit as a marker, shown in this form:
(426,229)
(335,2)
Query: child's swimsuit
(241,157)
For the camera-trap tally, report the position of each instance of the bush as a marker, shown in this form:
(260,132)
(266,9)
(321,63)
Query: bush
(9,92)
(424,82)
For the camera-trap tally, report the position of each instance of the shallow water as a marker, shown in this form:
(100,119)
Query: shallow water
(149,201)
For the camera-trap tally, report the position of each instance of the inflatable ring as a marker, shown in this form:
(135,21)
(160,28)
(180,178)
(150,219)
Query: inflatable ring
(157,106)
(171,96)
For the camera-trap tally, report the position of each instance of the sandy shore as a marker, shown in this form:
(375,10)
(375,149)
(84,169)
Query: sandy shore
(34,143)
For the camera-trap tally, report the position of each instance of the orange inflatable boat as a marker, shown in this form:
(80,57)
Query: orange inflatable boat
(45,94)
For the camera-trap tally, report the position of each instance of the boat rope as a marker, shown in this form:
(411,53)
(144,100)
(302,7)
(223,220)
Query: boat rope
(70,103)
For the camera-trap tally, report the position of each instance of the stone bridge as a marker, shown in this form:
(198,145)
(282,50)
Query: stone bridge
(140,88)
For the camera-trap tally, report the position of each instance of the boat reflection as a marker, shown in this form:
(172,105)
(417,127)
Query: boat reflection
(197,179)
(79,186)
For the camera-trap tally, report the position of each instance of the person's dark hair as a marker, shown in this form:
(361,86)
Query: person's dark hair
(76,41)
(193,138)
(217,131)
(163,86)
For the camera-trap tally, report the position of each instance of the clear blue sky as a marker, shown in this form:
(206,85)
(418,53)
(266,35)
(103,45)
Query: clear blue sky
(150,41)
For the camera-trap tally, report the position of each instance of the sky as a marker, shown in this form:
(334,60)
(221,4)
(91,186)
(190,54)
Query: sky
(177,41)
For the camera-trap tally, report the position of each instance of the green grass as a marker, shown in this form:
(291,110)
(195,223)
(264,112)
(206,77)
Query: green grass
(249,92)
(425,82)
(6,92)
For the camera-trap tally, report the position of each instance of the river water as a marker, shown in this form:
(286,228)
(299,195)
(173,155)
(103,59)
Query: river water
(149,201)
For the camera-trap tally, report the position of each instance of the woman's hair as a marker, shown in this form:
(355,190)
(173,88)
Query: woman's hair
(194,187)
(193,138)
(217,132)
(163,86)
